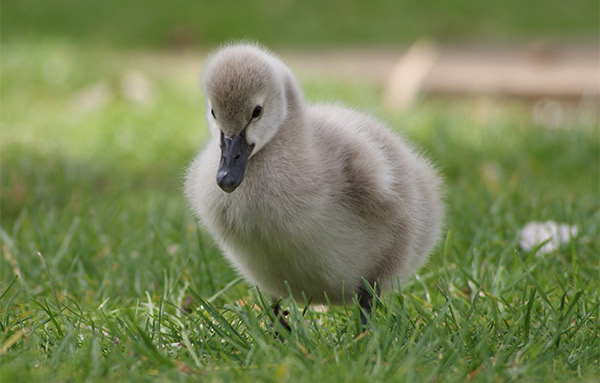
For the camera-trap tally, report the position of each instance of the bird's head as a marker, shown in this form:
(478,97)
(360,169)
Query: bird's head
(245,90)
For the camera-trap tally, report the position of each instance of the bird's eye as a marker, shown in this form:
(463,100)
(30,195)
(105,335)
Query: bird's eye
(212,111)
(257,111)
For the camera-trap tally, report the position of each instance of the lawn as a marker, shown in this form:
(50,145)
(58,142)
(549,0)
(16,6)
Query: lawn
(104,275)
(308,23)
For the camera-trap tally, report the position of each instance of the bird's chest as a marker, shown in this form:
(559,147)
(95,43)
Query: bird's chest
(272,230)
(268,208)
(260,221)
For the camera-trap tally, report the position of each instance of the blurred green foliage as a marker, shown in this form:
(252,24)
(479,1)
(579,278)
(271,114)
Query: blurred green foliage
(159,24)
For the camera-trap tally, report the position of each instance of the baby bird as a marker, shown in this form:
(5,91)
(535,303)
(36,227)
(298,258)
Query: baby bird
(315,197)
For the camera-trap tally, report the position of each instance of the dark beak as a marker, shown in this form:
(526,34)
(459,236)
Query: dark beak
(234,156)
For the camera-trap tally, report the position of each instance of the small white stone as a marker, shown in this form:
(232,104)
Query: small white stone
(534,233)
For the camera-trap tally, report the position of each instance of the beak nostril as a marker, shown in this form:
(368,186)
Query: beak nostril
(235,152)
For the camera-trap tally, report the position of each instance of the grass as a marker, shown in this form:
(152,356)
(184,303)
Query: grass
(148,23)
(104,275)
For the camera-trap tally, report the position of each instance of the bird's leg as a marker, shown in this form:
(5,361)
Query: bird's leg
(281,316)
(365,301)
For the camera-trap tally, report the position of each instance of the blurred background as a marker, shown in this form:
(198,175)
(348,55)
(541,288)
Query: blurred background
(199,25)
(101,112)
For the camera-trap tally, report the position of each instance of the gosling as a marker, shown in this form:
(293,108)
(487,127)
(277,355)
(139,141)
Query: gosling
(311,199)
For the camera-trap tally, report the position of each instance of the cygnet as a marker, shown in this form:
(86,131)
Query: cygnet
(308,199)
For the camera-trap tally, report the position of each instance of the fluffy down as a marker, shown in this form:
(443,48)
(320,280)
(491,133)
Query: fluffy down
(329,195)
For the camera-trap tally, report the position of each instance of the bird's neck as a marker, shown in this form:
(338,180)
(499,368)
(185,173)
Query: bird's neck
(293,94)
